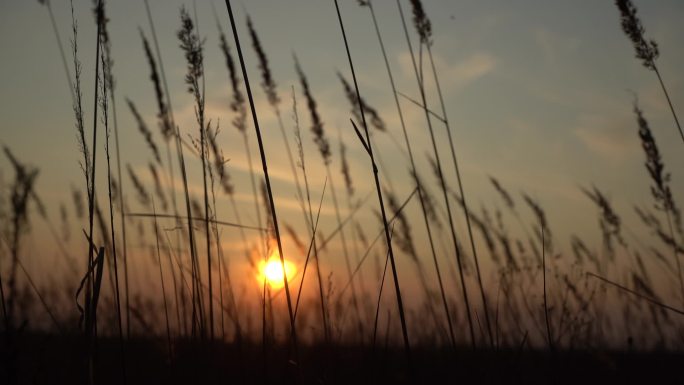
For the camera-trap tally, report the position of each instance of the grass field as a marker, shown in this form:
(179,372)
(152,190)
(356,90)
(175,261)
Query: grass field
(226,226)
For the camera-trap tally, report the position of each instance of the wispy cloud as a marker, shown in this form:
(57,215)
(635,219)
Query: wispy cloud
(455,76)
(611,137)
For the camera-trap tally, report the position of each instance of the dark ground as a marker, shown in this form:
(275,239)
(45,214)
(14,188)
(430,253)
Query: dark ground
(53,359)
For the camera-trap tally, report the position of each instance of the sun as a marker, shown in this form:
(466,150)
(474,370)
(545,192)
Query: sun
(272,272)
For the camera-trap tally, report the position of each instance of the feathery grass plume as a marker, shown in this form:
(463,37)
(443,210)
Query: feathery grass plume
(77,198)
(165,124)
(581,251)
(609,220)
(487,236)
(376,121)
(267,81)
(64,215)
(21,192)
(540,215)
(192,49)
(142,127)
(645,50)
(345,170)
(653,223)
(219,160)
(660,189)
(316,123)
(428,200)
(421,22)
(642,268)
(298,133)
(237,104)
(503,193)
(192,46)
(143,196)
(403,237)
(78,103)
(157,186)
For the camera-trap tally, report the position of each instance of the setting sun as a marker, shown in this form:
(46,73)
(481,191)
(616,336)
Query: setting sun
(272,272)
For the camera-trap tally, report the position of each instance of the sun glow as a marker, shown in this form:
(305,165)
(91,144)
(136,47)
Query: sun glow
(272,272)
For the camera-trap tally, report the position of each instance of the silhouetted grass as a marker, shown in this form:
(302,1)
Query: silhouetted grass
(554,318)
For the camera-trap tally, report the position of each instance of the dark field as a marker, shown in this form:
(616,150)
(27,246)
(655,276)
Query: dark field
(148,364)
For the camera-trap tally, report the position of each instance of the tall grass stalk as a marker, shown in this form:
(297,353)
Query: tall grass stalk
(324,148)
(161,279)
(345,251)
(365,302)
(442,181)
(293,331)
(459,180)
(219,163)
(369,148)
(312,231)
(414,173)
(312,245)
(377,304)
(237,105)
(120,187)
(106,83)
(167,131)
(546,304)
(168,125)
(191,44)
(91,308)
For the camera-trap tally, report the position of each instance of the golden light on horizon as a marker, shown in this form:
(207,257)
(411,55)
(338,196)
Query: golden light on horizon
(272,272)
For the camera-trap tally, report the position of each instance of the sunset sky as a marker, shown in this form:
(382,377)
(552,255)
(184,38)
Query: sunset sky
(539,95)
